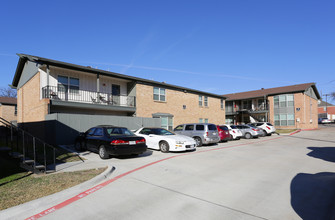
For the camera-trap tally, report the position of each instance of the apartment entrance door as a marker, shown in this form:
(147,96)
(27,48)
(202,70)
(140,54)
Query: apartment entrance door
(116,94)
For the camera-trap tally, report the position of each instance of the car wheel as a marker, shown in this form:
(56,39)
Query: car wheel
(103,153)
(164,146)
(247,136)
(78,146)
(231,137)
(198,141)
(269,134)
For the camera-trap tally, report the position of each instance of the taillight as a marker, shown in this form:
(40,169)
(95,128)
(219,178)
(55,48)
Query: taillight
(268,127)
(207,134)
(254,129)
(142,141)
(233,131)
(118,142)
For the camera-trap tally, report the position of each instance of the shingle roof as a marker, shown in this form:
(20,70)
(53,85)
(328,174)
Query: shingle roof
(272,91)
(323,103)
(8,100)
(24,58)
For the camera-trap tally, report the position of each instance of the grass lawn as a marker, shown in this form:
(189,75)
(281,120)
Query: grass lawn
(18,186)
(285,131)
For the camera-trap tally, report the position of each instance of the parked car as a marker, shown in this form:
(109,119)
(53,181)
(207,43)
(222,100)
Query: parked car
(250,131)
(324,121)
(202,133)
(267,127)
(223,133)
(109,140)
(234,132)
(165,141)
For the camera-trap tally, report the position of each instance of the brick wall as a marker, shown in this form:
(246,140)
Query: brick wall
(29,105)
(8,112)
(146,106)
(308,113)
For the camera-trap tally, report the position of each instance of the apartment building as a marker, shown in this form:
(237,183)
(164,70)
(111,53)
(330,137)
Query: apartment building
(294,106)
(48,89)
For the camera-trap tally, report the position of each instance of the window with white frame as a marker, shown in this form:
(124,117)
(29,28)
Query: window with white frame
(201,120)
(200,100)
(205,101)
(283,101)
(68,84)
(159,94)
(206,120)
(284,120)
(167,122)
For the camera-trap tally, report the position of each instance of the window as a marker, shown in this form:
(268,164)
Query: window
(68,84)
(212,127)
(90,132)
(200,100)
(201,120)
(189,127)
(179,128)
(284,101)
(284,120)
(159,94)
(167,123)
(15,110)
(98,132)
(205,101)
(200,127)
(206,120)
(222,104)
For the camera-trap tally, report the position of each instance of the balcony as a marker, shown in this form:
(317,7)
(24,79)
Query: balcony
(88,97)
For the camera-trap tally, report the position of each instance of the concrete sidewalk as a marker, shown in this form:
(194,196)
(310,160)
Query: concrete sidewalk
(90,161)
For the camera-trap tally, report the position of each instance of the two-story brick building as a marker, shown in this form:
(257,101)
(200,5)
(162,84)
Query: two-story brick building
(293,106)
(49,89)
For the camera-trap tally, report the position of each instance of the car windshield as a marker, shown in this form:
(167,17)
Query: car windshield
(119,131)
(233,127)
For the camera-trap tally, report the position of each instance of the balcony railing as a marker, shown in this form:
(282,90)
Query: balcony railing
(84,96)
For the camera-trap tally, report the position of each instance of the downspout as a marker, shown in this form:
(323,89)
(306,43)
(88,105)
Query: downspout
(98,86)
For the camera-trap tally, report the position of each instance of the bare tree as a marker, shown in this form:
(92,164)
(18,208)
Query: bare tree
(8,92)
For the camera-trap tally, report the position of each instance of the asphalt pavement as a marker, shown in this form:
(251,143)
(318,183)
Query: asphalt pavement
(277,177)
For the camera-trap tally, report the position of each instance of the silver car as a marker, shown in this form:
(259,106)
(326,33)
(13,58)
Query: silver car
(203,133)
(249,131)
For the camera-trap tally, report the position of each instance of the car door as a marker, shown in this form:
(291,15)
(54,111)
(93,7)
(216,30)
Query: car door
(95,140)
(189,130)
(151,139)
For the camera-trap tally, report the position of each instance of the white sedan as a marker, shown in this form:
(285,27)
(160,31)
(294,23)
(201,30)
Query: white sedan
(164,140)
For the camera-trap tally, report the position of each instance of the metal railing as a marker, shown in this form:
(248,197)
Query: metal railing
(34,152)
(74,94)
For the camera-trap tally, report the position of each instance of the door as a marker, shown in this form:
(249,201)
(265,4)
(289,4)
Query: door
(116,94)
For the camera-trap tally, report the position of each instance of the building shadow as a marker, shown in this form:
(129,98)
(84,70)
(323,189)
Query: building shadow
(313,195)
(324,153)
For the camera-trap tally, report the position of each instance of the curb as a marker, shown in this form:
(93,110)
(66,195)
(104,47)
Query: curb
(37,205)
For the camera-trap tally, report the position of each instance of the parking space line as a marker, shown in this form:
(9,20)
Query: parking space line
(100,186)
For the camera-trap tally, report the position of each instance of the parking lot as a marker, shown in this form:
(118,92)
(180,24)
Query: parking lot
(276,177)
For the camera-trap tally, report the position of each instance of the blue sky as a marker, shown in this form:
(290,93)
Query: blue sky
(215,46)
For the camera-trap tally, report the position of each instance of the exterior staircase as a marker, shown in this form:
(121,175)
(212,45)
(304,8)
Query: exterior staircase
(36,155)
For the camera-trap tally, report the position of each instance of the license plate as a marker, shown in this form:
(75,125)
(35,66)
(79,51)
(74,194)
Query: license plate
(214,133)
(132,142)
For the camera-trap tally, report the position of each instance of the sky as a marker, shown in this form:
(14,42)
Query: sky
(219,47)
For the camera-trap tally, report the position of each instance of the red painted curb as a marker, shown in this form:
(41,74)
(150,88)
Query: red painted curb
(100,186)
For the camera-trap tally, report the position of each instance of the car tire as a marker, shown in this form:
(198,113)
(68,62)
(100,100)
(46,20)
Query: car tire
(248,136)
(103,153)
(79,146)
(198,141)
(164,146)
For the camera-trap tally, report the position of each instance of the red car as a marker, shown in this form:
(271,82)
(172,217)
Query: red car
(223,133)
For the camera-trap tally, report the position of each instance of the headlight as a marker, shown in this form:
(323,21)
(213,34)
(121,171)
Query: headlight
(180,142)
